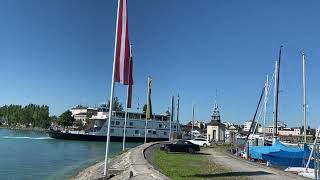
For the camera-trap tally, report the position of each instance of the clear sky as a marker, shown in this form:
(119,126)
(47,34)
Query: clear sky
(60,53)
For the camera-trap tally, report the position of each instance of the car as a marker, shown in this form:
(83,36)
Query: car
(181,146)
(200,141)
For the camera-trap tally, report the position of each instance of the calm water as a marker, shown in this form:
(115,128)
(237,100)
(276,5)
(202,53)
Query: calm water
(34,155)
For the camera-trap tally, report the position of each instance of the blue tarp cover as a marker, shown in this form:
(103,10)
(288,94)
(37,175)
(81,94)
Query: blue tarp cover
(280,154)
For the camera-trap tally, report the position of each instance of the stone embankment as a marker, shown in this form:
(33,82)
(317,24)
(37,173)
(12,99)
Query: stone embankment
(133,164)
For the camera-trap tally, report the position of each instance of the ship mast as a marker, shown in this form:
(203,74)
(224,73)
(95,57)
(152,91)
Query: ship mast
(265,107)
(304,96)
(274,97)
(277,97)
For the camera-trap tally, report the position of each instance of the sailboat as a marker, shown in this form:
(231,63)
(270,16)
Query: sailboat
(279,154)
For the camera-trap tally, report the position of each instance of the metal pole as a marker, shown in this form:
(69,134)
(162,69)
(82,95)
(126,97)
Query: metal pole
(146,123)
(304,97)
(274,96)
(145,130)
(278,83)
(126,112)
(105,172)
(177,123)
(125,121)
(192,121)
(265,109)
(124,129)
(171,117)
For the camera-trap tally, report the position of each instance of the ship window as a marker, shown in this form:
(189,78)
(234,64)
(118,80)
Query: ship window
(165,133)
(136,131)
(112,122)
(117,122)
(112,130)
(130,123)
(149,131)
(160,125)
(154,132)
(174,126)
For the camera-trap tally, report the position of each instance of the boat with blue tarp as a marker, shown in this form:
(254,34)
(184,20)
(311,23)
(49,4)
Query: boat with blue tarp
(281,155)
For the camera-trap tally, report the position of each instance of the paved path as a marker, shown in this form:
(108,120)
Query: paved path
(130,165)
(241,167)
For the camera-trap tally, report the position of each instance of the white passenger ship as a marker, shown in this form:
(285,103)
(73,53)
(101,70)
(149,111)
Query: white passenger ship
(158,128)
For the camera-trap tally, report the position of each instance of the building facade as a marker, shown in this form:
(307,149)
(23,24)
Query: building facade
(289,132)
(247,125)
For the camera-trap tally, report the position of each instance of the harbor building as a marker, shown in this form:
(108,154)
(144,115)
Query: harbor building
(216,129)
(247,125)
(281,125)
(289,132)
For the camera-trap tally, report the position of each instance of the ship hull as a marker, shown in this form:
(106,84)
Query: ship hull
(87,137)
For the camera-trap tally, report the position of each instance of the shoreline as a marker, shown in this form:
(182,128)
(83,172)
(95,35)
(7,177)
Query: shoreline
(24,129)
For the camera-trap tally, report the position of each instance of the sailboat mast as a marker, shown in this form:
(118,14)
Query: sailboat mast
(265,107)
(277,98)
(274,96)
(304,96)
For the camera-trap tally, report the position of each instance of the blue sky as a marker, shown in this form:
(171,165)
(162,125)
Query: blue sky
(60,53)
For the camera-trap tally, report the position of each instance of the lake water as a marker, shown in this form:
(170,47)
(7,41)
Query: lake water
(33,155)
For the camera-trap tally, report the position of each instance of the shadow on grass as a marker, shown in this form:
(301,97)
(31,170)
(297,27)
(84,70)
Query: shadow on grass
(228,174)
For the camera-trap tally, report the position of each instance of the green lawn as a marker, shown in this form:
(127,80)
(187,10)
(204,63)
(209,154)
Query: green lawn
(190,166)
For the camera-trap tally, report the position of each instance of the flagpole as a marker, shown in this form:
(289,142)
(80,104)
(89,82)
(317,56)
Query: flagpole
(171,117)
(127,102)
(105,172)
(145,131)
(125,122)
(177,123)
(146,123)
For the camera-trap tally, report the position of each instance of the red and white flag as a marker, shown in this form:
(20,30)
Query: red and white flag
(122,45)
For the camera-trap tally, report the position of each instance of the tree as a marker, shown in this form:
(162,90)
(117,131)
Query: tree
(66,119)
(116,105)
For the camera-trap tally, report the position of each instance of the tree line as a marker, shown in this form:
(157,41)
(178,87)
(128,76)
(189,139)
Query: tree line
(31,115)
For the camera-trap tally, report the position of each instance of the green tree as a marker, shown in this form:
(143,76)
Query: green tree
(66,119)
(116,105)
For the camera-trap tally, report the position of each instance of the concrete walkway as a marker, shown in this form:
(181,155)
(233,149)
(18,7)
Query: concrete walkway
(241,167)
(130,165)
